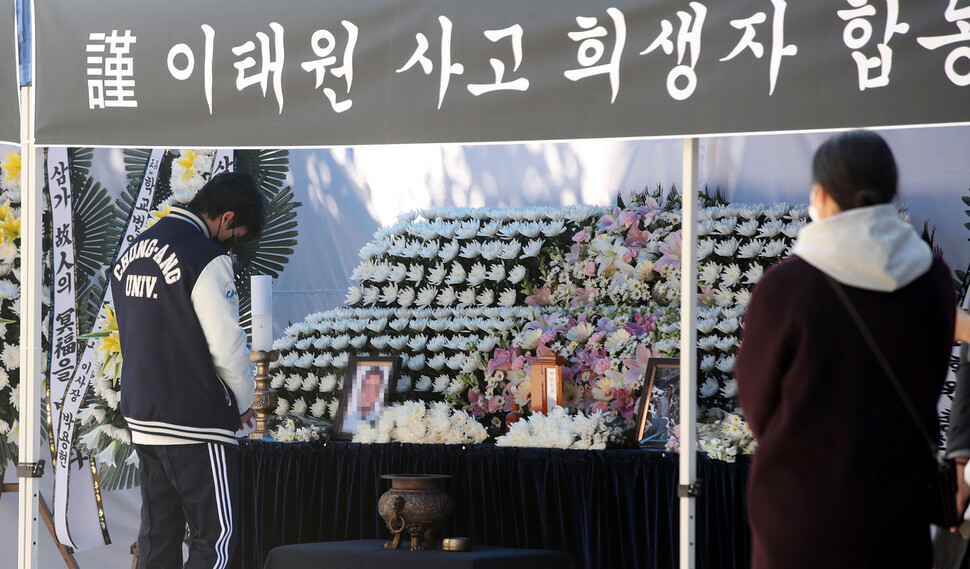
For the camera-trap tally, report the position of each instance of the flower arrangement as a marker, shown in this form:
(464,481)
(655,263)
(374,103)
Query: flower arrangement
(726,436)
(561,429)
(298,430)
(598,286)
(10,258)
(418,423)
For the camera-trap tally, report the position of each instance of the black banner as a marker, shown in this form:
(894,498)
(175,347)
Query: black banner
(247,73)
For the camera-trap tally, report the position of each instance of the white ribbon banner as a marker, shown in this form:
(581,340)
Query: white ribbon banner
(72,395)
(83,487)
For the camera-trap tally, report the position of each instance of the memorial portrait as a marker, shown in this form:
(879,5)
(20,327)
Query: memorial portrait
(365,392)
(658,410)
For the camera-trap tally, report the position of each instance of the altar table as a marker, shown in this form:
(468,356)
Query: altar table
(370,554)
(608,509)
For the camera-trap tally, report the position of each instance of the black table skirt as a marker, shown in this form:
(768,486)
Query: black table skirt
(370,554)
(615,508)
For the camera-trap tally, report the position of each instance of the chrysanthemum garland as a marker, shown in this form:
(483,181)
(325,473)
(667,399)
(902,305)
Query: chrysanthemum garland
(9,305)
(604,287)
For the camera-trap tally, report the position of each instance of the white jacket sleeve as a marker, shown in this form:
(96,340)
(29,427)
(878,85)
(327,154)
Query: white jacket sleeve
(216,303)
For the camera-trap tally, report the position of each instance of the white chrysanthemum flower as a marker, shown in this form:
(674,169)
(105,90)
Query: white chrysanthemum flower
(727,247)
(471,250)
(492,249)
(309,383)
(333,407)
(708,388)
(751,249)
(416,363)
(328,383)
(429,250)
(771,228)
(417,343)
(424,384)
(437,275)
(467,297)
(709,273)
(299,407)
(403,384)
(340,360)
(477,274)
(730,389)
(532,249)
(706,325)
(486,344)
(447,297)
(753,274)
(293,383)
(517,274)
(449,251)
(726,364)
(728,325)
(497,272)
(774,248)
(319,408)
(486,298)
(490,229)
(10,357)
(748,228)
(437,362)
(708,362)
(426,296)
(457,276)
(511,250)
(726,344)
(707,343)
(742,298)
(507,297)
(730,275)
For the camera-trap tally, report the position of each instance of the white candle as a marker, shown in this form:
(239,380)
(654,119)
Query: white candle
(261,288)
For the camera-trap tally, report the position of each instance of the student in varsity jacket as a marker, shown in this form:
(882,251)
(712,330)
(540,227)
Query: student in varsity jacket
(186,383)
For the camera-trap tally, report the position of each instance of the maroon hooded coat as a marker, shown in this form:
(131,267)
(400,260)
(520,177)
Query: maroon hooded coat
(839,474)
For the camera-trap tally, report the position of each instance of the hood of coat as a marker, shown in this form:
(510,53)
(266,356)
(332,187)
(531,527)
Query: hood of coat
(866,247)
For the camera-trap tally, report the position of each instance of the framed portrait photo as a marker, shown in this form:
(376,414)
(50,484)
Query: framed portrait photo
(365,392)
(658,410)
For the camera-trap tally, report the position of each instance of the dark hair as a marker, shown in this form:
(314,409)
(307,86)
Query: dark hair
(236,192)
(856,169)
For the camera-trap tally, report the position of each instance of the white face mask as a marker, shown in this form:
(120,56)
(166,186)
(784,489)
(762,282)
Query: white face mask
(812,210)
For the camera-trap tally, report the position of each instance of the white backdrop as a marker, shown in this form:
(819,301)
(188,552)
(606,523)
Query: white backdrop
(348,193)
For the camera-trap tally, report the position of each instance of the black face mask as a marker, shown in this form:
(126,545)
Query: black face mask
(228,243)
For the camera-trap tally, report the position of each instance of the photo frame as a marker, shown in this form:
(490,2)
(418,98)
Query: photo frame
(365,393)
(658,411)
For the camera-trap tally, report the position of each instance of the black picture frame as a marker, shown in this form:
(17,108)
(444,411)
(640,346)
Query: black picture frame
(658,410)
(349,411)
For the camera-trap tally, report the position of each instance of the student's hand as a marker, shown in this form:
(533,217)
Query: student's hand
(247,419)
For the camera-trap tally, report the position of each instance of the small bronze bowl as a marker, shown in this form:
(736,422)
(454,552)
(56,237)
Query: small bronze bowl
(456,544)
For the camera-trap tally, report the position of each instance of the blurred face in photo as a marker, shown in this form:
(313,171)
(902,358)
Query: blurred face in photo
(370,393)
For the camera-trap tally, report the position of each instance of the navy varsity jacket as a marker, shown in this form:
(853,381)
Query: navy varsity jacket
(186,376)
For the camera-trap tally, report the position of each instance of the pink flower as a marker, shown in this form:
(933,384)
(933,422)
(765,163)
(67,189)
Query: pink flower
(581,237)
(583,297)
(636,368)
(542,297)
(601,365)
(629,255)
(518,363)
(495,404)
(474,395)
(590,269)
(627,218)
(622,402)
(637,237)
(671,252)
(502,360)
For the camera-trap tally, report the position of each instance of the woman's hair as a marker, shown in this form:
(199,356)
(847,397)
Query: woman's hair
(856,169)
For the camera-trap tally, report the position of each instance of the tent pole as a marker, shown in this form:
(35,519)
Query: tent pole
(30,335)
(687,487)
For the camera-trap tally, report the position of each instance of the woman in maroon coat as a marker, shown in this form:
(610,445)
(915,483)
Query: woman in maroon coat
(838,477)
